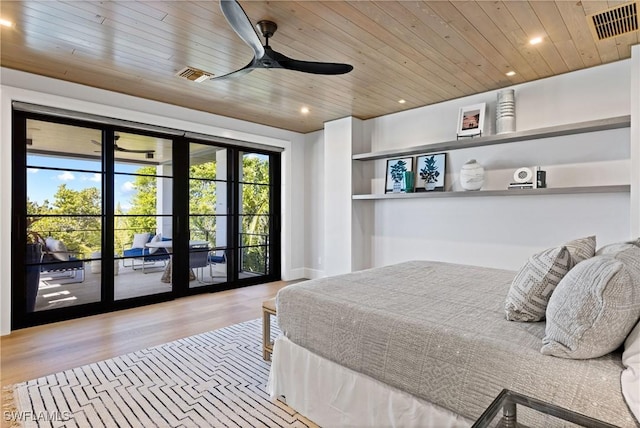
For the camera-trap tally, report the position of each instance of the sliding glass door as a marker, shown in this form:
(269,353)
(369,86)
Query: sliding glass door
(255,214)
(143,219)
(112,217)
(208,214)
(63,215)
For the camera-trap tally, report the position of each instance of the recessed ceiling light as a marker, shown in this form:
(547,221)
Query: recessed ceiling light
(304,110)
(6,23)
(401,101)
(535,40)
(510,73)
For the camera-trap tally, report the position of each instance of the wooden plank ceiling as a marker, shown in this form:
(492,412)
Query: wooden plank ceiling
(421,52)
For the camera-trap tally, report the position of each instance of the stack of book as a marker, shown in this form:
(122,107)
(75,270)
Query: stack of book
(525,185)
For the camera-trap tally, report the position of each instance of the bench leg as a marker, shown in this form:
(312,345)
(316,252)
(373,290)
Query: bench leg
(266,335)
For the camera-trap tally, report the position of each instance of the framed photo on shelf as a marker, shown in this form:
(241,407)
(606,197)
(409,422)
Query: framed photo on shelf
(430,170)
(471,120)
(394,180)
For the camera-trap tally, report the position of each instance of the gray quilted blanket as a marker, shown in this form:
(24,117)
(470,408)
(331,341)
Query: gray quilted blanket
(438,331)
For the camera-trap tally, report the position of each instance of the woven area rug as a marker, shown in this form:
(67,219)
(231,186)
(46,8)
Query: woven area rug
(214,379)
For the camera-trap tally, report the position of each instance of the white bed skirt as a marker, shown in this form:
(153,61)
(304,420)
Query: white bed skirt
(334,396)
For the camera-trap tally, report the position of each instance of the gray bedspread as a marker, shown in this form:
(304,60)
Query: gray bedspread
(438,331)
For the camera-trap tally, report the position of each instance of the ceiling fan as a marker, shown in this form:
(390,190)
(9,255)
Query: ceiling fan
(148,153)
(264,56)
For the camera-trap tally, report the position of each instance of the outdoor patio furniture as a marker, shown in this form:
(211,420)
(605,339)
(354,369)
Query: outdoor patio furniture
(141,256)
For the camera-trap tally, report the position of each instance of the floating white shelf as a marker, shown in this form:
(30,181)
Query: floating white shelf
(622,188)
(514,137)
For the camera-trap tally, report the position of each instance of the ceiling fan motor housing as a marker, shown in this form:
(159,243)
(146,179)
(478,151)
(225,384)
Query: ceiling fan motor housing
(267,29)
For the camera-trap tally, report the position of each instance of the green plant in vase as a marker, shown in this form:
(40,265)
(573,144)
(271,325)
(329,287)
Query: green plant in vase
(429,173)
(397,174)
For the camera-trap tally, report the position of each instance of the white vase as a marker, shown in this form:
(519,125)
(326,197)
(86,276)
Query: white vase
(429,186)
(506,112)
(472,175)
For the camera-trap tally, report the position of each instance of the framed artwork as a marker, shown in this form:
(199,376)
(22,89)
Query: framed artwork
(430,171)
(471,120)
(394,180)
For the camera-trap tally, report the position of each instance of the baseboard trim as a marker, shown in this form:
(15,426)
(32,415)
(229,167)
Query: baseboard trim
(295,274)
(314,273)
(304,273)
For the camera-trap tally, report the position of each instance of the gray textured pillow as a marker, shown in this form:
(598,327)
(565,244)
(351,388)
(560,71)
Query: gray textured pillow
(535,281)
(617,247)
(594,307)
(582,249)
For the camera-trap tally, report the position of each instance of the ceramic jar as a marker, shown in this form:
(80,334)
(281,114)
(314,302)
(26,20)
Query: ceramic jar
(472,175)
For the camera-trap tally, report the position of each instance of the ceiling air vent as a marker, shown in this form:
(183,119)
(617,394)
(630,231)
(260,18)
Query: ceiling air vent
(194,74)
(615,21)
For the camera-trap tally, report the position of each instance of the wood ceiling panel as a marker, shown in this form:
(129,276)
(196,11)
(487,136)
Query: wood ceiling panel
(531,25)
(436,61)
(504,35)
(448,30)
(574,18)
(398,36)
(518,33)
(557,32)
(607,48)
(423,52)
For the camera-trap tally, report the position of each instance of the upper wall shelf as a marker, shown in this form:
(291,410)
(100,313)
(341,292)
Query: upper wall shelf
(532,134)
(622,188)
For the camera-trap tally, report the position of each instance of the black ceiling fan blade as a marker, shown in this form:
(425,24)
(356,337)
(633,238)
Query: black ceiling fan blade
(122,149)
(244,70)
(239,21)
(315,67)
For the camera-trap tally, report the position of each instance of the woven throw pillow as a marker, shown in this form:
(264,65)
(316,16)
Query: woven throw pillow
(594,307)
(535,281)
(582,249)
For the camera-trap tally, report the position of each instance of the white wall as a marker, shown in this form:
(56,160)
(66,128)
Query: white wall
(35,89)
(314,204)
(338,137)
(503,231)
(635,139)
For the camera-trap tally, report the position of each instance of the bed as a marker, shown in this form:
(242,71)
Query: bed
(424,343)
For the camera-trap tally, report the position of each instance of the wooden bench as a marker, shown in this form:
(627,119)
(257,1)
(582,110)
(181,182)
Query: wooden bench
(268,309)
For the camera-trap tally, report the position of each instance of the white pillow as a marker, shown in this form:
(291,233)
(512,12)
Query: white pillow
(156,238)
(140,239)
(630,377)
(57,249)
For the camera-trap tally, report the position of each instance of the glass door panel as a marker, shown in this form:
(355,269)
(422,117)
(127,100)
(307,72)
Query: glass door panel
(64,177)
(143,220)
(207,215)
(255,215)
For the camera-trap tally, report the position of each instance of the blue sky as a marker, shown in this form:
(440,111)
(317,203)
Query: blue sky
(42,183)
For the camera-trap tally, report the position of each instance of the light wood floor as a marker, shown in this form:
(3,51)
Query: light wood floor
(38,351)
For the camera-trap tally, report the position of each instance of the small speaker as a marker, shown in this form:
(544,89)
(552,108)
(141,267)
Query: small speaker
(541,179)
(523,175)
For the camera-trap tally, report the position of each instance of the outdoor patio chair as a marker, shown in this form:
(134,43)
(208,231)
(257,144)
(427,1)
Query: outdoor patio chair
(60,263)
(140,256)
